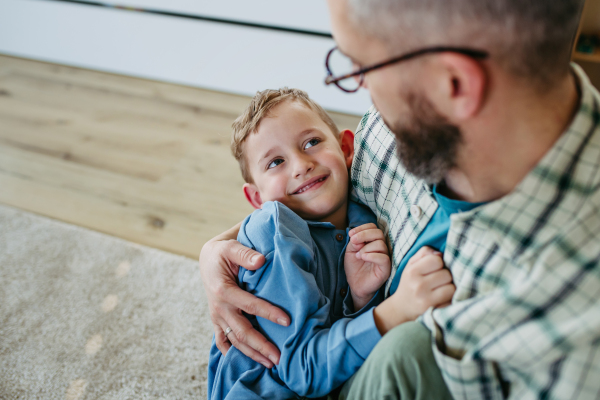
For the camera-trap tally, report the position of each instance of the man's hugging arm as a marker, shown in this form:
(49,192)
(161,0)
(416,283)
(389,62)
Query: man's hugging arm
(316,357)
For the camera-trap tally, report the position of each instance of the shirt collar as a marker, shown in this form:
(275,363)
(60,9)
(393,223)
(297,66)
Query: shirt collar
(555,191)
(357,215)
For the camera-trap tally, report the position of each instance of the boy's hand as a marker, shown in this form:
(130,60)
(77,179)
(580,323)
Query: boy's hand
(366,262)
(424,283)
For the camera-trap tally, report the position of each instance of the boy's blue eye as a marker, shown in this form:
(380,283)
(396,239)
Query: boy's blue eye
(274,163)
(311,143)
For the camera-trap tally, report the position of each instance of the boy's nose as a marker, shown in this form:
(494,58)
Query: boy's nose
(303,166)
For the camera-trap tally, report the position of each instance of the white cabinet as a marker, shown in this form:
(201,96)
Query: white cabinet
(219,56)
(306,14)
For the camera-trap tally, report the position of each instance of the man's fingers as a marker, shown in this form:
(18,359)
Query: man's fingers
(221,341)
(239,254)
(248,351)
(362,228)
(251,342)
(251,304)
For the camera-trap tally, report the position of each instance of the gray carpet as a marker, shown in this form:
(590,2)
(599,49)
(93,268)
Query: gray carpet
(88,316)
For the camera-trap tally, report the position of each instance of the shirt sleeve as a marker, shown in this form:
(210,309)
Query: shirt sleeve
(348,306)
(532,332)
(316,356)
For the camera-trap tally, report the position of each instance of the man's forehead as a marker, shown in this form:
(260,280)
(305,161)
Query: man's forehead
(350,38)
(341,26)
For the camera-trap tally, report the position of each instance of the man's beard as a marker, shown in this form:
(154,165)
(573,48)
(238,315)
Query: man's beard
(428,143)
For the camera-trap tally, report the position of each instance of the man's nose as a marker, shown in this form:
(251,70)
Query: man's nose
(363,82)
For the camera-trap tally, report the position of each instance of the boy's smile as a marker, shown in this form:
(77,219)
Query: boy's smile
(296,159)
(313,183)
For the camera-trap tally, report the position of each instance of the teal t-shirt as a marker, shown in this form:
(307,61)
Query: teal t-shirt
(435,233)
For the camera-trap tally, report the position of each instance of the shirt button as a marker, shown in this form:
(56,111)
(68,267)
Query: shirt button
(415,211)
(343,292)
(339,237)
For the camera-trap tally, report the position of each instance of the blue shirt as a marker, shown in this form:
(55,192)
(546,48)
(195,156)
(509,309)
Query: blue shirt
(304,275)
(435,233)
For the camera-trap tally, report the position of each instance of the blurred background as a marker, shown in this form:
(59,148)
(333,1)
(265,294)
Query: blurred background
(116,116)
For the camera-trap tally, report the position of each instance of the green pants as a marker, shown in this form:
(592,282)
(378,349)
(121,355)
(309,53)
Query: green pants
(401,366)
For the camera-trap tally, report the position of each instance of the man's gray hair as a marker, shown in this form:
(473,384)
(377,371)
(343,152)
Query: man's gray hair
(530,38)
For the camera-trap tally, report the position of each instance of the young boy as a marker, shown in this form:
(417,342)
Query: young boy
(325,258)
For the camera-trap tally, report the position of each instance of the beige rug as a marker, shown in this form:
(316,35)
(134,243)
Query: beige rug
(88,316)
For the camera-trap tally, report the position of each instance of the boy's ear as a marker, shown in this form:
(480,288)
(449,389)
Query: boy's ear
(252,195)
(347,139)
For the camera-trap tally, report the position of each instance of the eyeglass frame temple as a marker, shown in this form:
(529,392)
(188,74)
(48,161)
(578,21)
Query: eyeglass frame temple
(440,49)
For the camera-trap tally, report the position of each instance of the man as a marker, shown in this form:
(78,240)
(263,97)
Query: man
(484,108)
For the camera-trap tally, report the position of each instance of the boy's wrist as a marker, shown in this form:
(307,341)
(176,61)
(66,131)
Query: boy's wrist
(388,316)
(360,301)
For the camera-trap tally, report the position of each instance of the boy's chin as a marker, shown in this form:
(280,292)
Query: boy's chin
(317,213)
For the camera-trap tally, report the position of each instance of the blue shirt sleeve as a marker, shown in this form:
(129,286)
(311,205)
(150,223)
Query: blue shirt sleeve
(348,309)
(316,356)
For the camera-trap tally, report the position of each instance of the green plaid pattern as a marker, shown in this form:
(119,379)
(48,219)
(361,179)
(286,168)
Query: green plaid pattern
(525,318)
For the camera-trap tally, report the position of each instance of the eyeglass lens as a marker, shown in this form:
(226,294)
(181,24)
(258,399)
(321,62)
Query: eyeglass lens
(340,65)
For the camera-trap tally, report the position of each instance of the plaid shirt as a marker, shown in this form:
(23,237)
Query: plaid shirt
(525,318)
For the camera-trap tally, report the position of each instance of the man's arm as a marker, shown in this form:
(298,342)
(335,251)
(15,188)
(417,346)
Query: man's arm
(541,331)
(220,259)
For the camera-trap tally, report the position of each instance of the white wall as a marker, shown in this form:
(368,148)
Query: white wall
(305,14)
(211,55)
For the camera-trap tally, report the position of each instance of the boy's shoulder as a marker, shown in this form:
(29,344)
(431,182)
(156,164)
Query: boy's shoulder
(259,229)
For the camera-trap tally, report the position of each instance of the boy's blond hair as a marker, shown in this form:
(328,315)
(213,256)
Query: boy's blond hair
(259,108)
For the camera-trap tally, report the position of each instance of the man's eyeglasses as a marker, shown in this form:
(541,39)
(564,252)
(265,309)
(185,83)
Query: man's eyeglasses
(336,62)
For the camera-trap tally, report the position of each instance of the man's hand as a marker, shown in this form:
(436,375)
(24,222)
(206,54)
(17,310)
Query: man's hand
(220,259)
(366,263)
(425,283)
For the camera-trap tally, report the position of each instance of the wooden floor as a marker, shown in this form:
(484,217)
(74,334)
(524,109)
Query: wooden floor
(142,160)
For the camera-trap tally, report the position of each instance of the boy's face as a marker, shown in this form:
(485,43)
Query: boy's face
(294,158)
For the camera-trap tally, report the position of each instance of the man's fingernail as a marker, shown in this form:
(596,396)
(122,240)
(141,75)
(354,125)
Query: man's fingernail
(357,255)
(273,359)
(266,364)
(254,259)
(283,321)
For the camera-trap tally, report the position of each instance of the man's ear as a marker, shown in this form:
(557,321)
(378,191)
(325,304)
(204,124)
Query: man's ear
(462,86)
(252,195)
(347,142)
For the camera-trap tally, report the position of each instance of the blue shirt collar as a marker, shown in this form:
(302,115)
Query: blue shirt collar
(452,206)
(357,215)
